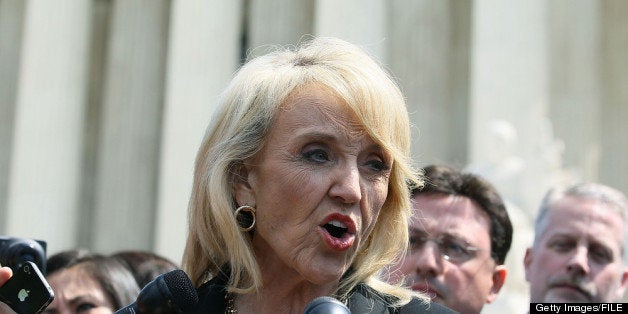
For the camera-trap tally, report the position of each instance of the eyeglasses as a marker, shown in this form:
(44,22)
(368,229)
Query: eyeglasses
(451,249)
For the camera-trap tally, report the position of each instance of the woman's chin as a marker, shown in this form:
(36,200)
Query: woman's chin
(326,273)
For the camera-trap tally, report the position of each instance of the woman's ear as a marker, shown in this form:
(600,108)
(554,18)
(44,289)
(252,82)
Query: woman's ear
(242,190)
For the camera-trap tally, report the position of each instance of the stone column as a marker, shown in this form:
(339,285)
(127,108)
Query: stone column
(575,40)
(204,51)
(509,97)
(613,164)
(11,21)
(359,22)
(99,21)
(276,22)
(614,129)
(429,54)
(128,153)
(509,82)
(44,183)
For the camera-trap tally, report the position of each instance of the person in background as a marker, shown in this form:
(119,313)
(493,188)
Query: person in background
(460,234)
(145,265)
(300,187)
(66,258)
(85,283)
(578,245)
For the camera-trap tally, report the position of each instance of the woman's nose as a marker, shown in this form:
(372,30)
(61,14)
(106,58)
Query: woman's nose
(346,186)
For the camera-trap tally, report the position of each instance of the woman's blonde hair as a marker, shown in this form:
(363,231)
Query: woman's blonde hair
(238,131)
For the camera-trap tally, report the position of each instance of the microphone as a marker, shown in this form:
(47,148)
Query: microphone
(169,293)
(326,305)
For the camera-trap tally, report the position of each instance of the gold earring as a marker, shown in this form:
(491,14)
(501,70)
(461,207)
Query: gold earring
(245,216)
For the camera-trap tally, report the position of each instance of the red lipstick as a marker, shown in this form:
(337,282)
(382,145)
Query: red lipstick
(338,231)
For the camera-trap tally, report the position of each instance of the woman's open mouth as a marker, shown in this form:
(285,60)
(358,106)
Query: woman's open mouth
(338,231)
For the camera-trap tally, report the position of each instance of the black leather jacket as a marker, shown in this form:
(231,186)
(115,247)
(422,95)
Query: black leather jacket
(362,299)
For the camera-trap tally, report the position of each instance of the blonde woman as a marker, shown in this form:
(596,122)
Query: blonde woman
(300,187)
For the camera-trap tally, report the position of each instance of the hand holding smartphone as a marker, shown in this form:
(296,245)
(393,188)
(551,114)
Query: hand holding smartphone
(27,292)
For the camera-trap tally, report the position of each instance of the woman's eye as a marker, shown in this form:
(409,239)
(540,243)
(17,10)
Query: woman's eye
(378,165)
(416,241)
(316,155)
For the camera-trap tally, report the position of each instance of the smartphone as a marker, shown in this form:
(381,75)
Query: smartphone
(27,291)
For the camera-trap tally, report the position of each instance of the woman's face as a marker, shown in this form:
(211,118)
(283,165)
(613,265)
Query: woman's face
(77,292)
(318,185)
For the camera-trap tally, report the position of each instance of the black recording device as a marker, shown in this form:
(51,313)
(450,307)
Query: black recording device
(15,251)
(27,291)
(169,293)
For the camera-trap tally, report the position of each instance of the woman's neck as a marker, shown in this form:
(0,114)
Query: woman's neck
(282,293)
